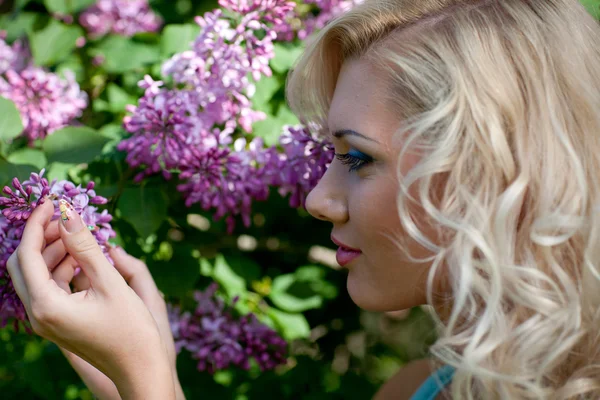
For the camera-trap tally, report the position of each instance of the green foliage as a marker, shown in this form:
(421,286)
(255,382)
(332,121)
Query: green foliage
(53,43)
(145,208)
(74,145)
(10,123)
(122,54)
(177,38)
(593,7)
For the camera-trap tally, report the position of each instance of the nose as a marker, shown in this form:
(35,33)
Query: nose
(327,201)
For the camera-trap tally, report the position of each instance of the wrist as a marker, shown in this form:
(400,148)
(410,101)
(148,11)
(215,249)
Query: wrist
(148,378)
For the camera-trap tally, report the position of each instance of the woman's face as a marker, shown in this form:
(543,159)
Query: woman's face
(358,195)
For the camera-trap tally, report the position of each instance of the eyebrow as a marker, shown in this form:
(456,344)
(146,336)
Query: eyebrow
(343,132)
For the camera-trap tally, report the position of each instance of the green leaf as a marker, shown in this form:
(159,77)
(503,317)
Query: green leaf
(593,7)
(232,283)
(145,208)
(265,89)
(177,38)
(17,26)
(54,43)
(291,326)
(290,302)
(118,98)
(285,57)
(270,129)
(176,276)
(11,125)
(122,54)
(28,156)
(8,171)
(74,145)
(67,6)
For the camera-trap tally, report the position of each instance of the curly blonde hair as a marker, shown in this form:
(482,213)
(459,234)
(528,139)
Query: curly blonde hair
(503,98)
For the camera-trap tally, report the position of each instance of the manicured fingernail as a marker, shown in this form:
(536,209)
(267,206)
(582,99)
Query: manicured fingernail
(69,218)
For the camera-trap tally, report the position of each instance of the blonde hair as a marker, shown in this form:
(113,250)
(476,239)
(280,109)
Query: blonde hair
(503,97)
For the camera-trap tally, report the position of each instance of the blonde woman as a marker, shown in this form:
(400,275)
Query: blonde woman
(467,136)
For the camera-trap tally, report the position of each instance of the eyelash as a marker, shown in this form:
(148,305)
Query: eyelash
(354,161)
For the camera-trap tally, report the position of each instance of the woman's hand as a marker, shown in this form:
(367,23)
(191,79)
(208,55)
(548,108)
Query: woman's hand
(138,277)
(108,325)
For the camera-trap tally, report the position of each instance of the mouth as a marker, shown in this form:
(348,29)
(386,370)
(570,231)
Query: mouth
(345,254)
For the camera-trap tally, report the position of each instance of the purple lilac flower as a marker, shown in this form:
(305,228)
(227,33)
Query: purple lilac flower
(304,25)
(17,207)
(122,17)
(189,128)
(219,339)
(224,180)
(304,160)
(46,102)
(13,57)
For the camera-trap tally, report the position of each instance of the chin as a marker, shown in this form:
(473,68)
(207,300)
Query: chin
(368,298)
(372,298)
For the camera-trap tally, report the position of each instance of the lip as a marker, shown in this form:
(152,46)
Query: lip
(345,254)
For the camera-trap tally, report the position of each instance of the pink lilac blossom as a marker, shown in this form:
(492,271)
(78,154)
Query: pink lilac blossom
(17,207)
(122,17)
(304,160)
(219,339)
(13,57)
(46,102)
(302,26)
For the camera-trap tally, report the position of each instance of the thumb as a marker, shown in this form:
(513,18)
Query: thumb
(83,247)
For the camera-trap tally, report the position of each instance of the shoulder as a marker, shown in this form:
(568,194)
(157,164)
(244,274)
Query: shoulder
(406,381)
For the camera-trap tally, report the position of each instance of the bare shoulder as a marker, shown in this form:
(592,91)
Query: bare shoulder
(406,381)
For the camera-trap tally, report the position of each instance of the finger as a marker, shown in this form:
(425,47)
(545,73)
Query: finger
(136,274)
(29,252)
(63,274)
(52,233)
(54,254)
(14,270)
(82,245)
(81,282)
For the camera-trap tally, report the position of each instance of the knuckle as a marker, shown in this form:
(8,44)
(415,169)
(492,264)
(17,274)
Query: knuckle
(11,263)
(86,244)
(44,314)
(20,253)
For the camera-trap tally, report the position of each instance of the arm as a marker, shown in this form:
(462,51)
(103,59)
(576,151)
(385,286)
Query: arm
(406,381)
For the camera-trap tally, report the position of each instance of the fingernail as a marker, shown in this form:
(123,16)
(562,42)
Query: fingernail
(69,218)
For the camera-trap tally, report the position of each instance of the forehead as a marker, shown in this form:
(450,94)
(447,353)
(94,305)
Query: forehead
(359,101)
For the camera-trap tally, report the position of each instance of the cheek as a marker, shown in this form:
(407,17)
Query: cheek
(372,206)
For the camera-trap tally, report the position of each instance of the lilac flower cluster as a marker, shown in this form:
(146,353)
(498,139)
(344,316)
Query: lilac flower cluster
(122,17)
(189,128)
(323,12)
(17,207)
(46,101)
(219,340)
(304,160)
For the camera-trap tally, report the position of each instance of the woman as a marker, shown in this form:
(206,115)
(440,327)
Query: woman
(467,146)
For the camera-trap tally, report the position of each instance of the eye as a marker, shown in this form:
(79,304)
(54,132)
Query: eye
(355,159)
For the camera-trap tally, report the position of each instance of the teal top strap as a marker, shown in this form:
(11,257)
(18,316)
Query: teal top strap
(434,384)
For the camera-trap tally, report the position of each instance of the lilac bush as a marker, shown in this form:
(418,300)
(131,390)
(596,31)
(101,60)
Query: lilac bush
(218,338)
(122,17)
(187,128)
(17,206)
(46,101)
